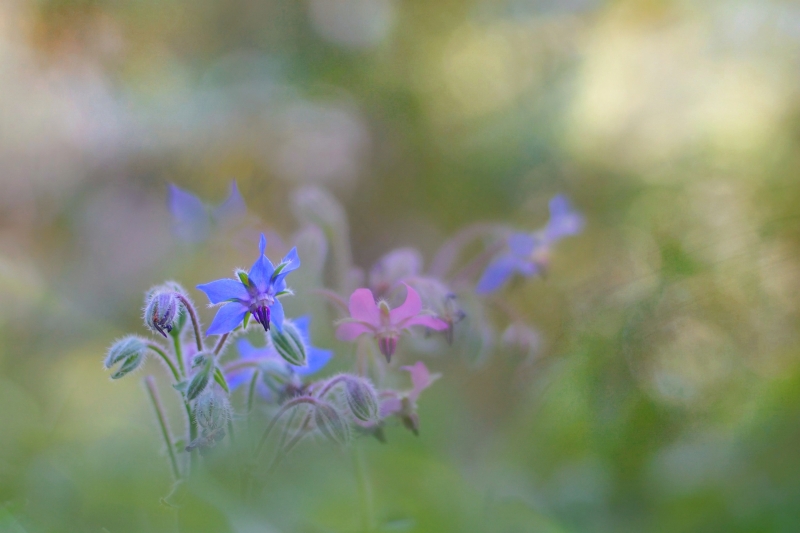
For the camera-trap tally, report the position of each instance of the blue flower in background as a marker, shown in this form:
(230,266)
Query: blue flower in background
(193,219)
(317,358)
(255,292)
(528,253)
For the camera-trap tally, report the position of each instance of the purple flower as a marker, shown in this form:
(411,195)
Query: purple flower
(528,253)
(384,323)
(237,373)
(193,219)
(255,292)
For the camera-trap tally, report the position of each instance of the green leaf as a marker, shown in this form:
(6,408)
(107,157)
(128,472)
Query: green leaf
(200,380)
(219,377)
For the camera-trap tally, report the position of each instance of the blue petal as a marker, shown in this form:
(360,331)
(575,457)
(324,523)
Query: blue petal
(261,271)
(276,314)
(317,359)
(189,215)
(303,323)
(248,351)
(290,263)
(564,220)
(522,244)
(498,272)
(228,317)
(239,377)
(232,209)
(225,289)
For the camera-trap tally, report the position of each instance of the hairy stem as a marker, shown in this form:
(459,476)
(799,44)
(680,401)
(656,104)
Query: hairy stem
(251,391)
(478,263)
(446,256)
(285,407)
(160,351)
(150,384)
(176,342)
(195,324)
(220,343)
(364,490)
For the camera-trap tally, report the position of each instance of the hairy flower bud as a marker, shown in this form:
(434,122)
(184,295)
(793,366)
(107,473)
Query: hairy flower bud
(331,423)
(131,351)
(521,338)
(161,310)
(361,398)
(289,343)
(393,267)
(200,380)
(212,410)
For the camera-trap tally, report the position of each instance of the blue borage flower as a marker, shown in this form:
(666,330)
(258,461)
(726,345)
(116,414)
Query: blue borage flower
(255,292)
(316,360)
(527,253)
(193,219)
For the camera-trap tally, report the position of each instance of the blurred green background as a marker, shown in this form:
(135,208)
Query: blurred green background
(665,395)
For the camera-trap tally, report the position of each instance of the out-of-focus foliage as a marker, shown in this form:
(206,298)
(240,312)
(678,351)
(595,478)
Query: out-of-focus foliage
(661,390)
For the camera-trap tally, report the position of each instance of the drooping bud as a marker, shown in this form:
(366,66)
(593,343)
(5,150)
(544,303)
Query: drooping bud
(200,380)
(161,310)
(289,343)
(361,398)
(131,351)
(331,423)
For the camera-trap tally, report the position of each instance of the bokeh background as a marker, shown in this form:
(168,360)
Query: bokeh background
(664,394)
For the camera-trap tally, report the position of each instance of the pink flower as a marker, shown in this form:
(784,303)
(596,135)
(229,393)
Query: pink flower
(404,405)
(384,323)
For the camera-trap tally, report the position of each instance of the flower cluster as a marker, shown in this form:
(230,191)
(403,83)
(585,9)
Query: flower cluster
(272,375)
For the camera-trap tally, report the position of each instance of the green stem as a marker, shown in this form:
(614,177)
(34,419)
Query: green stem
(160,351)
(477,264)
(162,421)
(251,391)
(364,490)
(221,343)
(195,324)
(176,342)
(285,407)
(450,251)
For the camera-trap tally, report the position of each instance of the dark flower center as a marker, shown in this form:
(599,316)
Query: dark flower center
(261,314)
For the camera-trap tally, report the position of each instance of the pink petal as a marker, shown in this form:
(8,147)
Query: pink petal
(427,321)
(349,331)
(411,307)
(390,406)
(363,307)
(421,379)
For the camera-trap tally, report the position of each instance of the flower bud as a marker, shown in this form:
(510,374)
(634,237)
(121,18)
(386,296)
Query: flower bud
(393,267)
(522,339)
(212,410)
(331,423)
(321,208)
(131,351)
(161,311)
(289,343)
(361,398)
(200,380)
